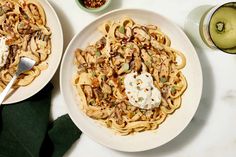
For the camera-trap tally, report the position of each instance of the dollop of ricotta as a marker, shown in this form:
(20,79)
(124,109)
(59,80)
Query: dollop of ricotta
(141,91)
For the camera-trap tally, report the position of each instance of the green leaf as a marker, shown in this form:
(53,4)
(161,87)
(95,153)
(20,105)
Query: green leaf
(98,53)
(122,29)
(125,67)
(140,99)
(138,87)
(131,46)
(130,83)
(163,79)
(173,90)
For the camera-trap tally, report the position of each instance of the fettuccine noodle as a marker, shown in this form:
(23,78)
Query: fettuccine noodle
(23,23)
(101,67)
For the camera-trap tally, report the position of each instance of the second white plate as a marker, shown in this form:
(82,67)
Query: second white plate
(53,60)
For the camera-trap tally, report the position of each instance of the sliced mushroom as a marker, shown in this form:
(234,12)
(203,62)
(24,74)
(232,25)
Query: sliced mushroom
(117,60)
(118,95)
(98,93)
(88,91)
(100,44)
(80,59)
(128,32)
(124,68)
(156,44)
(141,34)
(106,88)
(2,19)
(85,79)
(107,49)
(100,59)
(90,59)
(146,58)
(131,48)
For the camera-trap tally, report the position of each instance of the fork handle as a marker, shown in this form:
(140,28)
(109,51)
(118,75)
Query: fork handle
(8,87)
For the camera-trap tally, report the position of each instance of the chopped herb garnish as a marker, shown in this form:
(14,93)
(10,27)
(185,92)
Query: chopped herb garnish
(131,84)
(139,88)
(125,67)
(121,79)
(173,90)
(98,53)
(92,102)
(151,88)
(148,63)
(103,77)
(113,104)
(163,79)
(131,46)
(140,99)
(122,29)
(93,73)
(140,46)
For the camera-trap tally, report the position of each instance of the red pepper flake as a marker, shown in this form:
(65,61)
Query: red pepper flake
(94,3)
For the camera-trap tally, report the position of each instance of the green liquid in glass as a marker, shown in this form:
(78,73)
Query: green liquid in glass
(222,28)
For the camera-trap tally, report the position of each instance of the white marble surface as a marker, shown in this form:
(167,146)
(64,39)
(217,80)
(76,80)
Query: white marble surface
(212,132)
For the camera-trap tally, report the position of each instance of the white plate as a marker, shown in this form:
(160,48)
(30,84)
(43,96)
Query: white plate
(173,125)
(53,60)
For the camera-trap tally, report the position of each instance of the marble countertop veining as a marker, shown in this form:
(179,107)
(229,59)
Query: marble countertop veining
(212,131)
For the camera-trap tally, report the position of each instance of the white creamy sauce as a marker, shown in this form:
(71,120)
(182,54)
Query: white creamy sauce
(4,51)
(141,91)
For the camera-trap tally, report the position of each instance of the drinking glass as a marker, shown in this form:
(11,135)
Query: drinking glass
(213,26)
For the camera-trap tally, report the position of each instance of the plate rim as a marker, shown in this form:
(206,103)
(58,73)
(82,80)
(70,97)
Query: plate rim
(100,17)
(7,101)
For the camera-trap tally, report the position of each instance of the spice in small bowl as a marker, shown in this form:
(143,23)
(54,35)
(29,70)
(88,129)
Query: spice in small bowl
(93,5)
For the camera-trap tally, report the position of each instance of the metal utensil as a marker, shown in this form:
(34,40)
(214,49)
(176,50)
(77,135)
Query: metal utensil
(24,65)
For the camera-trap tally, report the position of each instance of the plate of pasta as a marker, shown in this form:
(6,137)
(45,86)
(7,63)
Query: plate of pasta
(135,80)
(28,28)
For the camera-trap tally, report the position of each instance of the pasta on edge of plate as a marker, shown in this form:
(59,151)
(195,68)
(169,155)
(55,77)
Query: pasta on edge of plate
(101,69)
(24,25)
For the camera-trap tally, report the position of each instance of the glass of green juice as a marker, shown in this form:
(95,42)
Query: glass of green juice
(218,27)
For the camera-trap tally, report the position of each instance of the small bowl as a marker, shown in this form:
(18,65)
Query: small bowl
(93,10)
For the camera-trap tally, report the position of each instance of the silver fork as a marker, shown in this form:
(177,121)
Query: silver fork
(24,65)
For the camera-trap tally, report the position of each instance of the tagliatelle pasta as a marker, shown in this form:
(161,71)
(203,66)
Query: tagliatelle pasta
(23,23)
(125,47)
